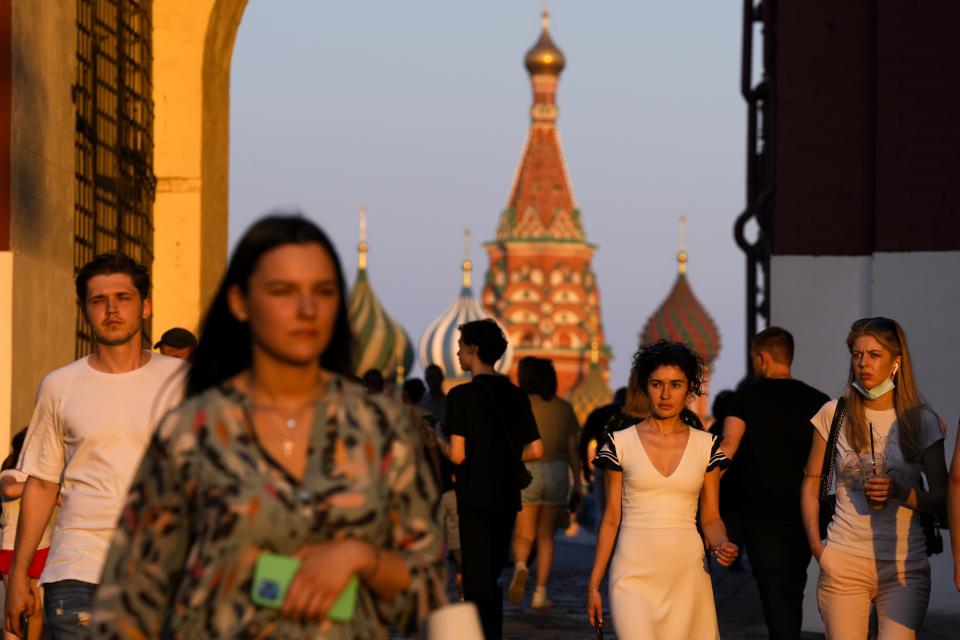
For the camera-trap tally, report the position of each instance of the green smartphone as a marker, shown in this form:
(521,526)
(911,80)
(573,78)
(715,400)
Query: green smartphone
(272,575)
(346,603)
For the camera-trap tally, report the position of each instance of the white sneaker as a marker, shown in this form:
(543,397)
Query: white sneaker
(541,601)
(517,584)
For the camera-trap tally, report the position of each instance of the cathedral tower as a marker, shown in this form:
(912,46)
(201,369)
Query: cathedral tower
(540,283)
(682,318)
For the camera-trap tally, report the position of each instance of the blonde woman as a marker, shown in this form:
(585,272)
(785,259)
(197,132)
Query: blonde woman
(875,548)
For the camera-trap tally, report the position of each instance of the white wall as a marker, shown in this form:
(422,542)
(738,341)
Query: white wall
(817,298)
(922,291)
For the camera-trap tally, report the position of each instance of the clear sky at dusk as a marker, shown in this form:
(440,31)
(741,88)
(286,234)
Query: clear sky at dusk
(418,109)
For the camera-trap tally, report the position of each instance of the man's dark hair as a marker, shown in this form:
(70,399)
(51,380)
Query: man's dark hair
(664,353)
(373,381)
(776,341)
(109,263)
(413,390)
(433,374)
(537,377)
(487,336)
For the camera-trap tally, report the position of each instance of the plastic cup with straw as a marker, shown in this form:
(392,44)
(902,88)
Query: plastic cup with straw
(874,505)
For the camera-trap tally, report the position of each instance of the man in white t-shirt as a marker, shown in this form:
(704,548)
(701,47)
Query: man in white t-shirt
(91,424)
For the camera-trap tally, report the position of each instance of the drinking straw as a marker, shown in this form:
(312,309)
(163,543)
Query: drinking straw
(873,454)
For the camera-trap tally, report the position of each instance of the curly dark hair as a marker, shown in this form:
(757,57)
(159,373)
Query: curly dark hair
(665,353)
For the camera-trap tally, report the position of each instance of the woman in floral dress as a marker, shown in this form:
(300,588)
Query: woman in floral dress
(274,451)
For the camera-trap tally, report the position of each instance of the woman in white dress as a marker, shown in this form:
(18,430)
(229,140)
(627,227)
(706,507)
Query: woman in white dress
(655,472)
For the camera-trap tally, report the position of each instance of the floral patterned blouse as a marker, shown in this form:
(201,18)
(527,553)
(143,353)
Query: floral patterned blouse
(208,500)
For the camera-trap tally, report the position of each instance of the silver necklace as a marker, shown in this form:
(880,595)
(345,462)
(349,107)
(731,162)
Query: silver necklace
(289,418)
(289,421)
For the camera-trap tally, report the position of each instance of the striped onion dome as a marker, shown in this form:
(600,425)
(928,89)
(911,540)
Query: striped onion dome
(379,342)
(592,391)
(438,345)
(681,318)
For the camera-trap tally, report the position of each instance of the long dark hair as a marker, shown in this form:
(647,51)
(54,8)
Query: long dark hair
(536,376)
(225,346)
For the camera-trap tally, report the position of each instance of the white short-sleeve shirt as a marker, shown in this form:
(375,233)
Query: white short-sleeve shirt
(88,432)
(891,533)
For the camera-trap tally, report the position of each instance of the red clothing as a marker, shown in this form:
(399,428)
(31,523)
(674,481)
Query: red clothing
(36,567)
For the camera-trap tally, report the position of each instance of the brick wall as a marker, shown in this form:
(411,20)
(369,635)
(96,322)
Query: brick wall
(918,126)
(868,127)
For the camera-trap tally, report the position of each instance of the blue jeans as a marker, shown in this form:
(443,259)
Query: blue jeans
(67,605)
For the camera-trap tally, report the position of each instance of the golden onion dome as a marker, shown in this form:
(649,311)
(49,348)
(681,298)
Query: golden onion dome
(545,57)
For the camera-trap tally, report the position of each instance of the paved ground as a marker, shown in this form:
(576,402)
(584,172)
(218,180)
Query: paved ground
(738,605)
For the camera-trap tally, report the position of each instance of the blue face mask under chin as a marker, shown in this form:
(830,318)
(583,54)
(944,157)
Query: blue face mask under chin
(878,391)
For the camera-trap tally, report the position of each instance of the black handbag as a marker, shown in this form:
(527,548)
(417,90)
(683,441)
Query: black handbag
(931,523)
(518,470)
(828,501)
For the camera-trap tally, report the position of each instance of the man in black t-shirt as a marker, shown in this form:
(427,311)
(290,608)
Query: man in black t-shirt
(491,425)
(768,430)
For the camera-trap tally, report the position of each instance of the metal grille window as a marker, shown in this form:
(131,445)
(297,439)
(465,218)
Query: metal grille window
(115,185)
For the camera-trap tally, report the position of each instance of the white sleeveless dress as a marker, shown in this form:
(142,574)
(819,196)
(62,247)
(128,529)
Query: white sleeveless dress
(659,586)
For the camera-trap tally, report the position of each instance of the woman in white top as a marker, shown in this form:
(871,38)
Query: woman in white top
(655,472)
(875,549)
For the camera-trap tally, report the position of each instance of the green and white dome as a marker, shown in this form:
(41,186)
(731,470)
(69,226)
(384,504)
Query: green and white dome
(379,341)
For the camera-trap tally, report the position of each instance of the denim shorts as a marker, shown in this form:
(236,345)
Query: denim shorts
(550,486)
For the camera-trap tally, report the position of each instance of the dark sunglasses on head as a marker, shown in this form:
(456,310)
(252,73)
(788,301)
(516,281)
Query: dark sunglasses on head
(879,322)
(673,347)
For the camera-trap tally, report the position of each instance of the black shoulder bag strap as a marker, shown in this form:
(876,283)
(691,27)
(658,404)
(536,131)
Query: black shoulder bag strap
(830,455)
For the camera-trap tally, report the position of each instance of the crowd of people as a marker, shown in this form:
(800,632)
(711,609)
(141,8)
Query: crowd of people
(246,484)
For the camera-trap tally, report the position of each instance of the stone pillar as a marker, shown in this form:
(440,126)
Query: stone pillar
(36,266)
(192,48)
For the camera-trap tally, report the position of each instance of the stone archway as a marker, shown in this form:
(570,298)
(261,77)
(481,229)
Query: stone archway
(192,51)
(193,47)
